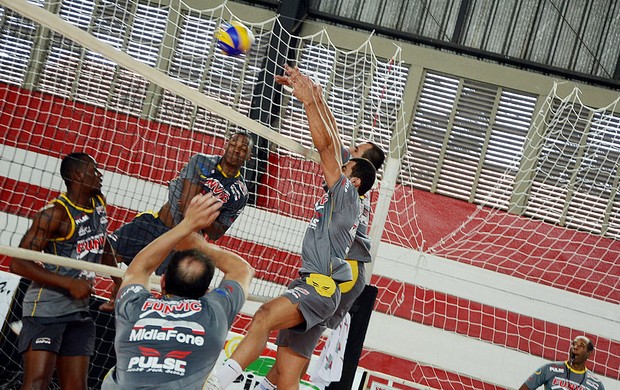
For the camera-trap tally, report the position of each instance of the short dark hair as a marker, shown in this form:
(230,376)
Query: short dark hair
(72,163)
(366,172)
(375,155)
(189,274)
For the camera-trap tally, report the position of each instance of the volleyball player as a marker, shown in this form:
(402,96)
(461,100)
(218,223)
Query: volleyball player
(203,173)
(570,374)
(314,296)
(58,332)
(173,341)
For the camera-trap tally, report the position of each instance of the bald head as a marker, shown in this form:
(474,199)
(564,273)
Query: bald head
(189,274)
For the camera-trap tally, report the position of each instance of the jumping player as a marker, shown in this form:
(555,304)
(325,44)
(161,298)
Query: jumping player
(173,342)
(314,296)
(58,332)
(568,375)
(203,173)
(358,254)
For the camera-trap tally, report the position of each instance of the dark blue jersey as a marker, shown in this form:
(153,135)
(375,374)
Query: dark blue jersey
(205,170)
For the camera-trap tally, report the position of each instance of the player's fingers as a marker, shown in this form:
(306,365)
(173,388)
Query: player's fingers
(283,80)
(208,205)
(201,199)
(212,217)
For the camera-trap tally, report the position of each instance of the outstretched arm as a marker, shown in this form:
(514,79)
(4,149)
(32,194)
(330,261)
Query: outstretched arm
(202,210)
(322,128)
(327,115)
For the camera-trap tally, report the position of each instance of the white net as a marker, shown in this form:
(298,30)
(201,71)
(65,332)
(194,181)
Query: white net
(556,170)
(150,91)
(503,183)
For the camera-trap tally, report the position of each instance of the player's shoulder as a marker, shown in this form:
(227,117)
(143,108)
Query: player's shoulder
(132,289)
(227,291)
(345,190)
(554,368)
(204,158)
(592,376)
(57,208)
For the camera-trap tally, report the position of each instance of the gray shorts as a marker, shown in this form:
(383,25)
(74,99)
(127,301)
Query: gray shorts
(74,337)
(317,297)
(132,237)
(349,293)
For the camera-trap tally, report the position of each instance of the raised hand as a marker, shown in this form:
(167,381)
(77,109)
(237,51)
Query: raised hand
(202,211)
(304,89)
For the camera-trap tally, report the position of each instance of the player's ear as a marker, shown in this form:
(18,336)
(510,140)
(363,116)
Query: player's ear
(77,175)
(356,181)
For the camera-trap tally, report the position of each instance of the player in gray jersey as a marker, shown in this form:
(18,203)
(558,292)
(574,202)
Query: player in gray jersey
(569,375)
(173,341)
(359,253)
(314,296)
(58,332)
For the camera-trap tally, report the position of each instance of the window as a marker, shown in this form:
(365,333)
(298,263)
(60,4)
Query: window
(467,139)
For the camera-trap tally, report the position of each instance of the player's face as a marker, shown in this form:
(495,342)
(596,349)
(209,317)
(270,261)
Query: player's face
(93,178)
(358,150)
(347,169)
(579,351)
(238,150)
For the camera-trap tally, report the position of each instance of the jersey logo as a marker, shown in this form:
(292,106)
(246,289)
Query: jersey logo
(567,384)
(168,331)
(82,219)
(323,285)
(93,244)
(297,292)
(151,361)
(43,340)
(84,230)
(226,290)
(174,309)
(318,207)
(216,189)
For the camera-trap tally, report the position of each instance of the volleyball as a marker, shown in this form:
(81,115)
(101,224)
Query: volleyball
(234,39)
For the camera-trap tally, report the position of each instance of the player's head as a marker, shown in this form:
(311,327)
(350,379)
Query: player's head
(238,149)
(79,171)
(188,274)
(370,151)
(362,174)
(580,349)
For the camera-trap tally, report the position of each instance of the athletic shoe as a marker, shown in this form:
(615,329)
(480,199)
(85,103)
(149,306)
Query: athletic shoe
(212,383)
